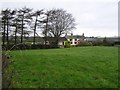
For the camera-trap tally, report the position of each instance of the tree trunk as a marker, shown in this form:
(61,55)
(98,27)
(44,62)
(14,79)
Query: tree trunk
(22,32)
(56,42)
(35,31)
(4,33)
(7,33)
(16,35)
(46,32)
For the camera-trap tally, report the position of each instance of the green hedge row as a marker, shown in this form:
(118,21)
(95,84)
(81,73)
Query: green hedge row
(27,46)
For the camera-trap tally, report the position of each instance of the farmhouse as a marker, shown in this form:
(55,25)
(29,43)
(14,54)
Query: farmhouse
(75,39)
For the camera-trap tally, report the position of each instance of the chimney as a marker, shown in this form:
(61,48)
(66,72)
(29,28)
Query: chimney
(71,34)
(83,34)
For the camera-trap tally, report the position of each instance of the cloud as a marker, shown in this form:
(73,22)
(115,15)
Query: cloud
(93,17)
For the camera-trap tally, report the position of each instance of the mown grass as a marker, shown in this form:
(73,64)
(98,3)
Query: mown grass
(79,67)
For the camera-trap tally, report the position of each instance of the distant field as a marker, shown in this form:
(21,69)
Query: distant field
(79,67)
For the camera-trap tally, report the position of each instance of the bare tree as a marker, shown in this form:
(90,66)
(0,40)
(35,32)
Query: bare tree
(60,22)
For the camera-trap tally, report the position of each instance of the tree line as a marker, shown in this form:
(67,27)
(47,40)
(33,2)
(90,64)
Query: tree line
(22,22)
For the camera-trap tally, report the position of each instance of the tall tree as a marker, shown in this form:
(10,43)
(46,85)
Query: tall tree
(7,16)
(25,17)
(37,22)
(3,13)
(60,22)
(46,26)
(17,25)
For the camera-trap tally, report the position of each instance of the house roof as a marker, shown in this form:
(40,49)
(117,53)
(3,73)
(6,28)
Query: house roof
(75,37)
(53,39)
(91,38)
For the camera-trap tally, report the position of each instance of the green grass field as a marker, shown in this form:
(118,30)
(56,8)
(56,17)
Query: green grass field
(79,67)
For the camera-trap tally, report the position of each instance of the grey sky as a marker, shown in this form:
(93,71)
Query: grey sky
(93,17)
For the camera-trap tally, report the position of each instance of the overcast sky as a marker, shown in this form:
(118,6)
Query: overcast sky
(93,17)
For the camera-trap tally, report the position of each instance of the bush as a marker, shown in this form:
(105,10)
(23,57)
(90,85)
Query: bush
(107,42)
(27,46)
(104,42)
(7,70)
(84,43)
(97,43)
(67,44)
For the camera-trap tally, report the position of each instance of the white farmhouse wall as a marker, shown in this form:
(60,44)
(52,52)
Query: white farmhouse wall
(60,43)
(73,41)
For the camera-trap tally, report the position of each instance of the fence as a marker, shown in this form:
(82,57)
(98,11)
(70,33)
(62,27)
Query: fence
(7,70)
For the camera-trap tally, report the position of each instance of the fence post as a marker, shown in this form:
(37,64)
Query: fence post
(0,57)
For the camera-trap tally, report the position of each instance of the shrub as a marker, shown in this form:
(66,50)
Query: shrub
(104,42)
(27,46)
(107,42)
(67,44)
(7,70)
(97,43)
(84,43)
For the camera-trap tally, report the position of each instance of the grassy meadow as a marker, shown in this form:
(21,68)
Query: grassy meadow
(78,67)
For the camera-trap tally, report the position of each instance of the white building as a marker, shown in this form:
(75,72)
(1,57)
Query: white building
(75,39)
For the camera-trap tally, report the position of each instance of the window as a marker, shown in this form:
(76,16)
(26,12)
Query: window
(47,42)
(71,42)
(63,43)
(70,39)
(75,39)
(75,42)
